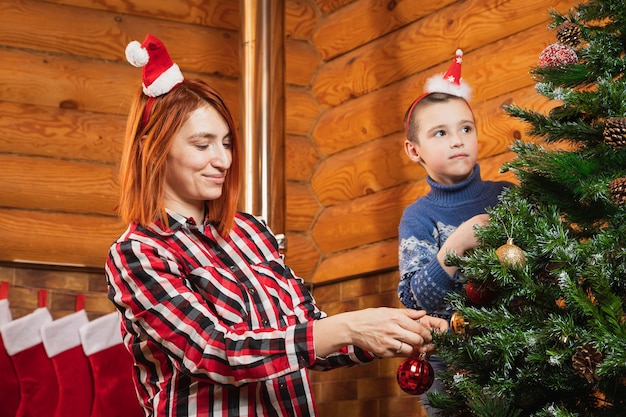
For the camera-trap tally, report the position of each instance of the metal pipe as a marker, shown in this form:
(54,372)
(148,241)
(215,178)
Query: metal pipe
(262,106)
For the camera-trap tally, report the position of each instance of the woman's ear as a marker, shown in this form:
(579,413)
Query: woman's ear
(412,152)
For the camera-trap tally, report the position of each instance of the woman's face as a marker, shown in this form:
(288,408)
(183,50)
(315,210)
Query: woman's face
(197,163)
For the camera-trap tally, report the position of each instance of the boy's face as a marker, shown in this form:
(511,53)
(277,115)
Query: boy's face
(447,141)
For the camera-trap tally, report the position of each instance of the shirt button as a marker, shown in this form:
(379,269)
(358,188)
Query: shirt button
(265,322)
(232,267)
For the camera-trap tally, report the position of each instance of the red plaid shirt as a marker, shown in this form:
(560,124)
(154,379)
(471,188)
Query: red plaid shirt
(217,327)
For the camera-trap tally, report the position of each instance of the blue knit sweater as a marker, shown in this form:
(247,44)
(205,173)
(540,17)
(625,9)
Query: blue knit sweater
(425,226)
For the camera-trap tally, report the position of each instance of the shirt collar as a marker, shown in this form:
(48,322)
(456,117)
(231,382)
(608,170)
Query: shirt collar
(176,222)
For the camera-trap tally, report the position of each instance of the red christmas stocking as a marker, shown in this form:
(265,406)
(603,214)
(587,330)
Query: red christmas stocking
(9,384)
(111,367)
(39,391)
(62,343)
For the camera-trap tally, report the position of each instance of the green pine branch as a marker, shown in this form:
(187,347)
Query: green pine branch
(519,354)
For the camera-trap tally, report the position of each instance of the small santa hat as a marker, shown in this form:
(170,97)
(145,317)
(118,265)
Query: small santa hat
(160,73)
(451,82)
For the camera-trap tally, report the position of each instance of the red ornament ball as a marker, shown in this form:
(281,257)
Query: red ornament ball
(415,375)
(479,293)
(556,55)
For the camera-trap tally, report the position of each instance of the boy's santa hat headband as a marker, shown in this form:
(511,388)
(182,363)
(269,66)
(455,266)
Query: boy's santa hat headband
(450,83)
(159,73)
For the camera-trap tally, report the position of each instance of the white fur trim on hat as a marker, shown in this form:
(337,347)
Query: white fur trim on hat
(165,82)
(438,84)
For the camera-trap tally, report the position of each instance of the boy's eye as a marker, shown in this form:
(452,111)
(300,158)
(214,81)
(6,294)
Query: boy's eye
(467,129)
(439,133)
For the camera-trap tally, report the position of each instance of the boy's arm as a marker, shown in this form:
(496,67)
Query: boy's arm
(460,241)
(423,282)
(426,288)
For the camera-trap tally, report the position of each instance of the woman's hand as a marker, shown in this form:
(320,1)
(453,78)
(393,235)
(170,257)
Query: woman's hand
(386,332)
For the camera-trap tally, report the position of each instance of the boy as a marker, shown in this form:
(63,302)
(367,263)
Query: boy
(441,136)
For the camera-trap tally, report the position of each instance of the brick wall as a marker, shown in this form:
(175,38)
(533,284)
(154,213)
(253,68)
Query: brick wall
(62,287)
(369,390)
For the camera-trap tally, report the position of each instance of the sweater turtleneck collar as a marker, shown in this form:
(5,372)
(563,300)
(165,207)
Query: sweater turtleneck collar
(468,190)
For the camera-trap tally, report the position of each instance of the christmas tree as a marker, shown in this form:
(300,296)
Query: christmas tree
(541,329)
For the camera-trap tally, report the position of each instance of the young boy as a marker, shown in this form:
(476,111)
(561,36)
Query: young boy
(441,136)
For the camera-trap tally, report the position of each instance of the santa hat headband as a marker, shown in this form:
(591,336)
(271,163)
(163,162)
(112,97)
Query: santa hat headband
(450,83)
(159,73)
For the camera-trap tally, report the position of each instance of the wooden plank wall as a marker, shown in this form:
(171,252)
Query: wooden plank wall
(352,68)
(64,95)
(65,91)
(376,57)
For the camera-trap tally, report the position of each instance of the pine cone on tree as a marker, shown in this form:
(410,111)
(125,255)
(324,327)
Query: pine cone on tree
(615,132)
(617,188)
(585,361)
(547,274)
(568,33)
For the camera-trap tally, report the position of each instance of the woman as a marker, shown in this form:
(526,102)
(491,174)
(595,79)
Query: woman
(217,324)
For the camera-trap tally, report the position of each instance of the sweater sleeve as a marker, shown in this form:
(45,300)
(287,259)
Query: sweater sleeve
(424,283)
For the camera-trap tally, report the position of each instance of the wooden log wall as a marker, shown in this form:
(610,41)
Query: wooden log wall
(352,68)
(64,96)
(376,57)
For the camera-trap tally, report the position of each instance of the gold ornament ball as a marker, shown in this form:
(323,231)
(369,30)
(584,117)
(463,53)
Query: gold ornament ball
(511,255)
(458,323)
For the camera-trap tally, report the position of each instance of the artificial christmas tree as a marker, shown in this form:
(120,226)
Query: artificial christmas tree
(552,339)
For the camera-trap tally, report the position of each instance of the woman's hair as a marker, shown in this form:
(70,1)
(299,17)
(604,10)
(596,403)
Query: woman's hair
(144,155)
(425,100)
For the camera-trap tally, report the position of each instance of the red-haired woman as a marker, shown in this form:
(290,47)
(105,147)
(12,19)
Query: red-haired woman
(216,323)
